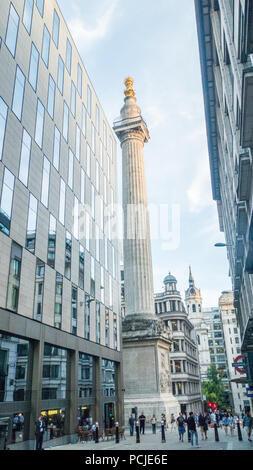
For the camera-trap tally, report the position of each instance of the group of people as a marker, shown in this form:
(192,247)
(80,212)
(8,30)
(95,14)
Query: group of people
(142,422)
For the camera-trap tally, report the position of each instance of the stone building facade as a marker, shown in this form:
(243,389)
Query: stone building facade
(59,260)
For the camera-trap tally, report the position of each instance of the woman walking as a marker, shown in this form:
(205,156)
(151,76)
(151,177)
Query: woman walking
(181,427)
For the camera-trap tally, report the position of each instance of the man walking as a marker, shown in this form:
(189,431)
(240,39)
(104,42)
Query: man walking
(131,425)
(248,424)
(39,432)
(192,428)
(142,420)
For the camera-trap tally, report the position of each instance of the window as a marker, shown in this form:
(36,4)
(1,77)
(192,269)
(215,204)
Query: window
(68,251)
(97,118)
(45,46)
(14,277)
(81,267)
(68,56)
(178,367)
(73,99)
(31,224)
(78,142)
(93,138)
(58,301)
(74,310)
(106,253)
(237,340)
(56,28)
(62,202)
(33,69)
(88,160)
(84,117)
(87,317)
(105,134)
(101,154)
(93,201)
(76,218)
(102,285)
(235,331)
(60,80)
(51,241)
(45,182)
(39,290)
(79,80)
(3,119)
(12,30)
(6,201)
(97,244)
(39,124)
(51,371)
(57,148)
(174,325)
(27,15)
(25,158)
(92,276)
(51,97)
(194,308)
(82,186)
(71,169)
(97,322)
(115,331)
(107,331)
(65,122)
(111,149)
(110,291)
(40,6)
(97,176)
(87,232)
(18,96)
(88,100)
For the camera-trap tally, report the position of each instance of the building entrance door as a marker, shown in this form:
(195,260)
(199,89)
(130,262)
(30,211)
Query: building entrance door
(109,415)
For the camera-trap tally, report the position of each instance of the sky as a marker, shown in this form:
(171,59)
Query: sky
(156,44)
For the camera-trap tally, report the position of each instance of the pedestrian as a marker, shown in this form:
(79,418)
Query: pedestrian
(131,424)
(163,418)
(248,424)
(202,422)
(40,428)
(181,426)
(192,428)
(142,419)
(231,423)
(172,422)
(93,430)
(153,422)
(225,423)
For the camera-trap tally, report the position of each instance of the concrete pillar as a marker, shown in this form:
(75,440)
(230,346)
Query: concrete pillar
(36,384)
(71,392)
(98,390)
(119,395)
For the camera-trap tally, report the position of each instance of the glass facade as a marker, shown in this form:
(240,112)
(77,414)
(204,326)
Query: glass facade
(18,95)
(56,29)
(14,277)
(54,373)
(108,378)
(3,119)
(27,15)
(31,224)
(85,376)
(45,46)
(12,30)
(34,66)
(51,242)
(6,201)
(39,290)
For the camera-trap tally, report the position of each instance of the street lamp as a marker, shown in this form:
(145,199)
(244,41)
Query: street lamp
(222,245)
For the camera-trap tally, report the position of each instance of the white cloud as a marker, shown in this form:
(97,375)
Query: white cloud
(199,193)
(84,36)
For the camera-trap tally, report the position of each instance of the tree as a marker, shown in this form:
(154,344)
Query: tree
(213,389)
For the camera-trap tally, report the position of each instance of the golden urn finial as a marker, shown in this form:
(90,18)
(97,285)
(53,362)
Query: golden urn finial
(129,87)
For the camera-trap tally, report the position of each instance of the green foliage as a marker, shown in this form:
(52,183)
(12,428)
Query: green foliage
(213,389)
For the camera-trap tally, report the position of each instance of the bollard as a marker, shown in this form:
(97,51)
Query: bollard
(96,438)
(163,432)
(189,434)
(117,433)
(239,431)
(216,432)
(137,429)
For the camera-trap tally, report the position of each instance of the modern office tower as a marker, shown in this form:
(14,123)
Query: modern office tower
(193,301)
(59,258)
(225,31)
(184,356)
(231,330)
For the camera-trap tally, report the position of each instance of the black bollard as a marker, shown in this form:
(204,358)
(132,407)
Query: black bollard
(239,431)
(163,432)
(117,433)
(216,432)
(137,429)
(96,438)
(189,434)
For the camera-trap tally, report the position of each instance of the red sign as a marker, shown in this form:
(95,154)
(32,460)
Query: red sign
(240,369)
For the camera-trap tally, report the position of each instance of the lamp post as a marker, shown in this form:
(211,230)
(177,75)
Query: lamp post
(222,245)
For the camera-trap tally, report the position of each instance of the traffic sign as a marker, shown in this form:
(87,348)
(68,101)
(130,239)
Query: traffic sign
(240,366)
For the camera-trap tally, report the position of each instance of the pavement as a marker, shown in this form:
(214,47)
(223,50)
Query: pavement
(150,441)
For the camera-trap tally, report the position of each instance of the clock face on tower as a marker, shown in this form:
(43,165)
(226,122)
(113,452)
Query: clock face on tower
(192,292)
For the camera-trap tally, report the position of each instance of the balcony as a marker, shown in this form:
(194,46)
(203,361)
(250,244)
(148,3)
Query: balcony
(244,177)
(242,218)
(249,249)
(247,109)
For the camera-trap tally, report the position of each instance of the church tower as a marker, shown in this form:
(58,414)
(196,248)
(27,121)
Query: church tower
(193,301)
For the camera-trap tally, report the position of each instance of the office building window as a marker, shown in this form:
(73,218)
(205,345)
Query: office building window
(68,56)
(34,66)
(73,99)
(87,317)
(101,153)
(14,277)
(88,100)
(79,80)
(97,176)
(106,253)
(115,331)
(88,167)
(45,46)
(65,129)
(105,189)
(51,97)
(58,301)
(12,30)
(57,148)
(3,120)
(76,218)
(6,201)
(62,202)
(111,149)
(102,285)
(87,232)
(110,291)
(27,15)
(31,224)
(56,28)
(78,142)
(107,330)
(25,158)
(18,95)
(92,277)
(82,186)
(97,322)
(39,124)
(81,267)
(102,214)
(68,252)
(51,241)
(84,117)
(93,201)
(71,169)
(93,138)
(40,6)
(60,79)
(39,290)
(97,243)
(104,134)
(45,182)
(74,310)
(97,118)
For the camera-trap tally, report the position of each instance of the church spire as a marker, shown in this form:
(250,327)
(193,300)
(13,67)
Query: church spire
(191,280)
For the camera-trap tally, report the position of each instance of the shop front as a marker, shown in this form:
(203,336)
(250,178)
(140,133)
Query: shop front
(54,420)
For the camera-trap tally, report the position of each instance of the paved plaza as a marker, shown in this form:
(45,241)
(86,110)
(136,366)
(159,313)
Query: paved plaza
(153,442)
